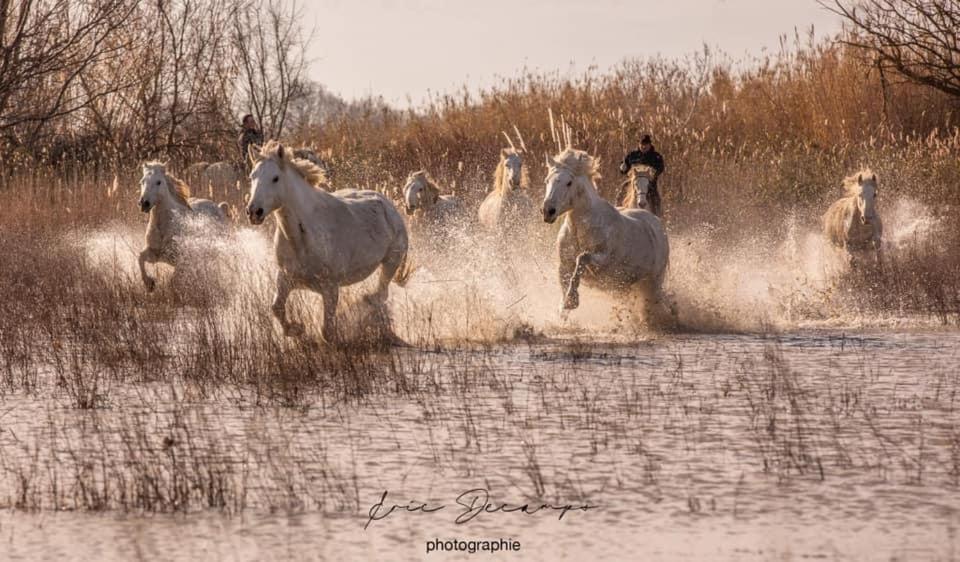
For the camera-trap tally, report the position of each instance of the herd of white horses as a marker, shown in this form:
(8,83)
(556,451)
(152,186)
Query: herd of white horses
(325,240)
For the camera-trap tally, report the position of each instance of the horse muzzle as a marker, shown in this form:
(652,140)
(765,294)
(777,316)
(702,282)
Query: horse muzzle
(255,215)
(549,215)
(144,206)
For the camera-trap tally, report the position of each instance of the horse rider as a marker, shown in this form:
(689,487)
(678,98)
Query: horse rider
(646,155)
(250,134)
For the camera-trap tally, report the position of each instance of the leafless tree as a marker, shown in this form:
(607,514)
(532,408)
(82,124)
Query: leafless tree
(270,47)
(48,49)
(917,38)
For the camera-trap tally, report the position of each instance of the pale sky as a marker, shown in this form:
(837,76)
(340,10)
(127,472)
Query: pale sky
(404,49)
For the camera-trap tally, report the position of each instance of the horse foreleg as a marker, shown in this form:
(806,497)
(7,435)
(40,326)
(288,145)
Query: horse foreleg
(331,296)
(147,256)
(567,268)
(572,298)
(284,286)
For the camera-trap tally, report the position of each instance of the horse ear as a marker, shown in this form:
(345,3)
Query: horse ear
(860,179)
(280,151)
(253,153)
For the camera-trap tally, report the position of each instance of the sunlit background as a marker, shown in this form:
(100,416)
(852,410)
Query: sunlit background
(405,49)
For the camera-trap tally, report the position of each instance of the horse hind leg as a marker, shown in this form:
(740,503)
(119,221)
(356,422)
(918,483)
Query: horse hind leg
(392,268)
(657,310)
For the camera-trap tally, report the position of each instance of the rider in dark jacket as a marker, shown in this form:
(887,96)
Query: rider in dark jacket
(250,134)
(646,155)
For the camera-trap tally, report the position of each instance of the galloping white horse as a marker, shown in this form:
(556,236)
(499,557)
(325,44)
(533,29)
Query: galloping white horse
(638,193)
(324,240)
(610,249)
(168,201)
(432,215)
(507,209)
(852,222)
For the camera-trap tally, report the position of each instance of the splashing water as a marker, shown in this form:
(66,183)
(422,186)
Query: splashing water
(469,287)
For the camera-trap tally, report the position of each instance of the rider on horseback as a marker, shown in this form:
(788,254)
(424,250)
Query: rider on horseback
(646,155)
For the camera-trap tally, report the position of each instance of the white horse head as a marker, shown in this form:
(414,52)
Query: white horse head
(271,175)
(419,192)
(641,177)
(510,170)
(267,181)
(569,175)
(157,187)
(864,187)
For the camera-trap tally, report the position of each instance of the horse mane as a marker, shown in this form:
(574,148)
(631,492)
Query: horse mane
(177,187)
(498,175)
(579,163)
(432,186)
(851,183)
(313,174)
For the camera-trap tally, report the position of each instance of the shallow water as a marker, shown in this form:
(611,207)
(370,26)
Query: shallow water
(802,445)
(807,425)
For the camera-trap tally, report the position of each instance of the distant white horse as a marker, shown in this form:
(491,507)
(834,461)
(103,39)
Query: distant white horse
(432,214)
(507,209)
(193,174)
(852,222)
(611,249)
(324,240)
(220,175)
(638,193)
(168,201)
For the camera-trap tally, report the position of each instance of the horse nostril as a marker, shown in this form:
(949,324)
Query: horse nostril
(551,211)
(259,212)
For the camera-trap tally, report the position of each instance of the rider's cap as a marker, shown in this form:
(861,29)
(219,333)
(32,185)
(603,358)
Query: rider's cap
(645,139)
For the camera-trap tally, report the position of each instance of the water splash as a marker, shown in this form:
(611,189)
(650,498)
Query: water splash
(468,286)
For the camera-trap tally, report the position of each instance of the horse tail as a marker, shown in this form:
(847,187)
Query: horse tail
(404,271)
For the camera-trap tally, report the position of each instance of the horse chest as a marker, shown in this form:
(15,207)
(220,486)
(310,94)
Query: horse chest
(859,234)
(588,237)
(301,252)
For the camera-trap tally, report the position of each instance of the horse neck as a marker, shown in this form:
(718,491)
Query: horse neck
(299,198)
(500,178)
(586,201)
(169,204)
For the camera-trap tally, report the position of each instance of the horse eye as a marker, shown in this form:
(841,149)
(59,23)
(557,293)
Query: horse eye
(276,179)
(569,183)
(158,182)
